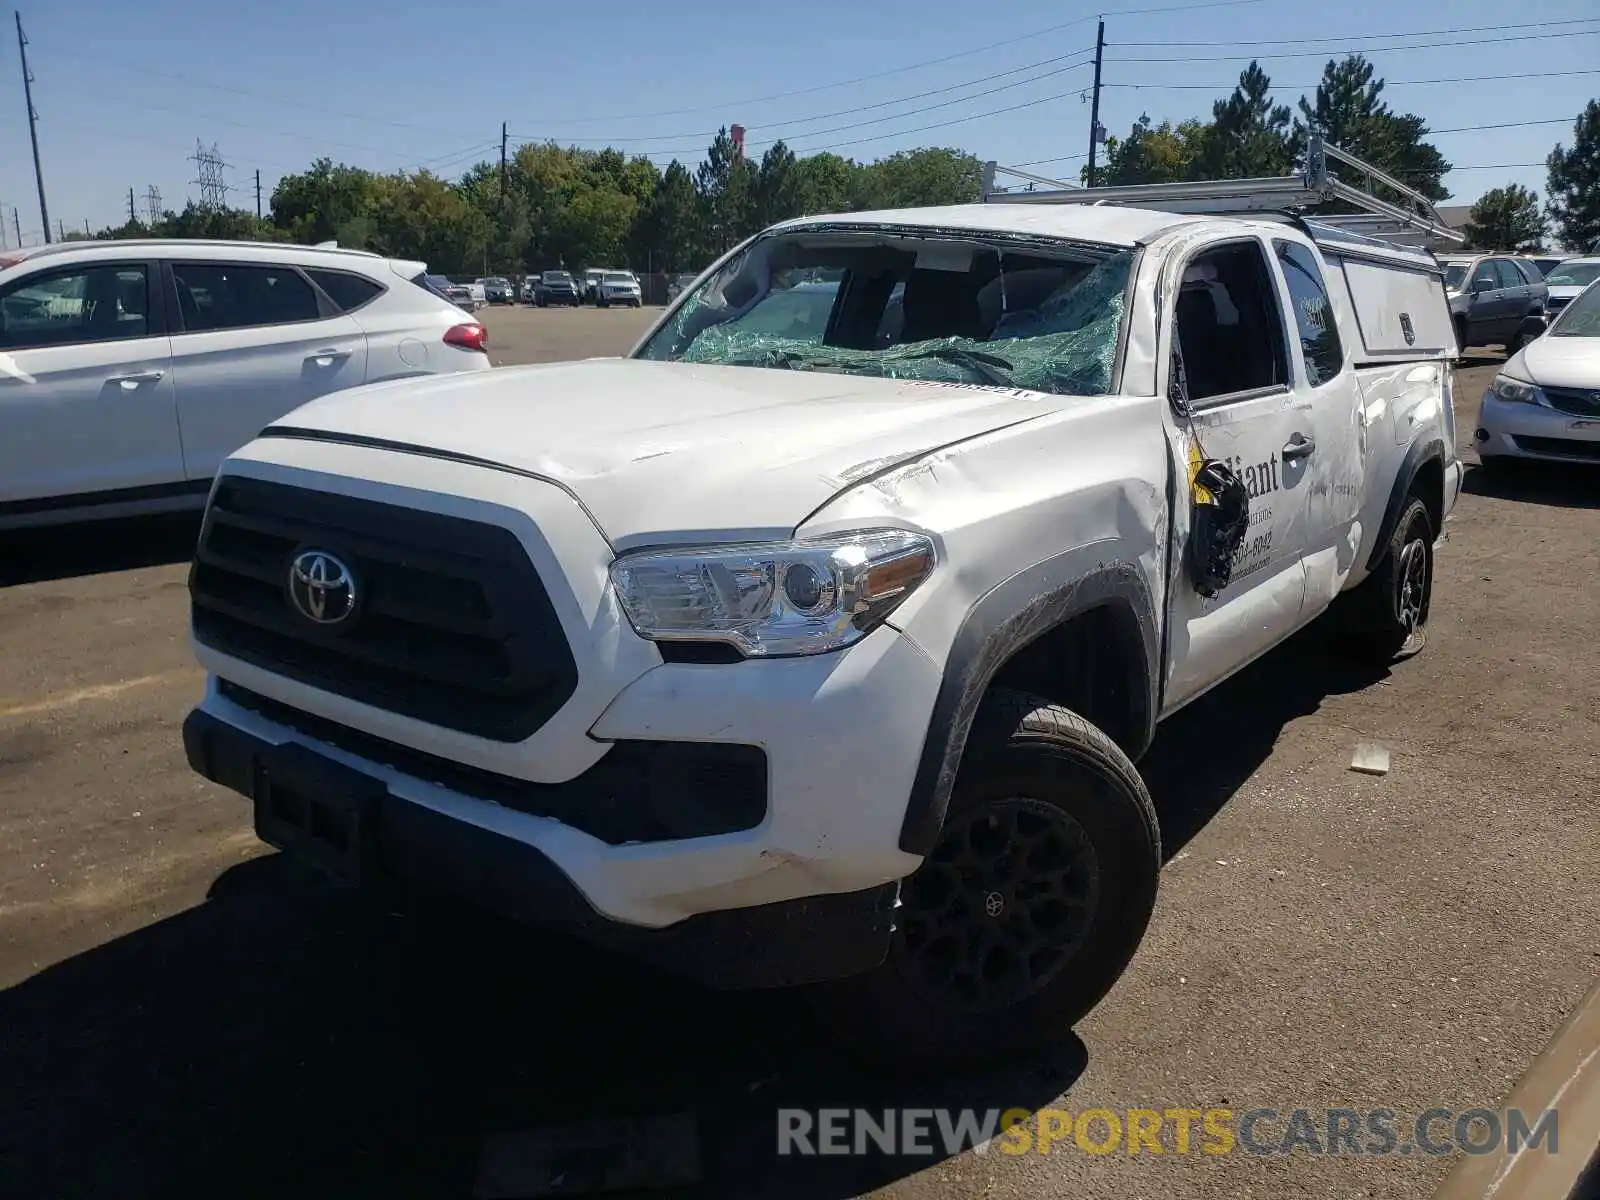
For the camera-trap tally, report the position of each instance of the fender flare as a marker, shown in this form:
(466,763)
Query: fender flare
(1422,450)
(1014,613)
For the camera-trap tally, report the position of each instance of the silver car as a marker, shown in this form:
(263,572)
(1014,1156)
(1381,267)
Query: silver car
(1545,403)
(1567,281)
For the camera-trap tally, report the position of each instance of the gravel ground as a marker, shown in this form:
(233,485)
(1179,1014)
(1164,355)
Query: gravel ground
(183,1011)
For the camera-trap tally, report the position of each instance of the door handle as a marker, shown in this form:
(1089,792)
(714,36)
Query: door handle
(134,378)
(1299,446)
(326,358)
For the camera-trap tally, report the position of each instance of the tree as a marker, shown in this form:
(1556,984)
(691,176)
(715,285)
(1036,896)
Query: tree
(1249,136)
(913,178)
(726,187)
(775,184)
(1152,154)
(1572,187)
(1506,218)
(666,235)
(822,184)
(1350,112)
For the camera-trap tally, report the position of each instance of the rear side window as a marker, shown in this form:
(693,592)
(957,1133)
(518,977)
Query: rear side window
(344,289)
(1531,270)
(1313,315)
(1510,275)
(76,306)
(228,296)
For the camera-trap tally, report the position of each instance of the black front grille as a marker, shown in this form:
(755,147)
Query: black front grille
(639,792)
(1557,447)
(453,627)
(1577,401)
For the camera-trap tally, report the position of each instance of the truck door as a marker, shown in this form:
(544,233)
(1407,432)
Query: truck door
(1324,380)
(1229,334)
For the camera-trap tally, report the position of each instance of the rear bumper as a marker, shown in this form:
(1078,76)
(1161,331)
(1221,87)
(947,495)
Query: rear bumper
(770,945)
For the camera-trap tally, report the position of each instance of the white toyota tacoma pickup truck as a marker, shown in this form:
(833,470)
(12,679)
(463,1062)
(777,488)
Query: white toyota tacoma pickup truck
(814,642)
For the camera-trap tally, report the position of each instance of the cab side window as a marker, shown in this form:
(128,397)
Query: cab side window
(1228,334)
(1313,314)
(75,306)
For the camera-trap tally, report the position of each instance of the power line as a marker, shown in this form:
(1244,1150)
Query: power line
(931,62)
(1504,125)
(1367,37)
(1363,50)
(1300,87)
(860,108)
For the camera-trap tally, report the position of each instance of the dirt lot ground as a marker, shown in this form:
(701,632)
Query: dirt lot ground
(184,1014)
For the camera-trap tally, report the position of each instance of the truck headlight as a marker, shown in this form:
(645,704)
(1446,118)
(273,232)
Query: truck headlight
(773,599)
(1515,390)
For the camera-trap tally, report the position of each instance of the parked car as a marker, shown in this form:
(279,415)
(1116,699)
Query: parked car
(1568,280)
(857,643)
(1547,262)
(133,368)
(619,287)
(498,290)
(460,294)
(591,284)
(1495,299)
(676,286)
(1545,402)
(556,287)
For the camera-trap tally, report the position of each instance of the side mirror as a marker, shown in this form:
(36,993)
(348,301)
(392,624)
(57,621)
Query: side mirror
(1482,285)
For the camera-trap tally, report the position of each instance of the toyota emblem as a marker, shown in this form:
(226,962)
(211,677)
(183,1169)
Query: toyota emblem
(994,904)
(322,587)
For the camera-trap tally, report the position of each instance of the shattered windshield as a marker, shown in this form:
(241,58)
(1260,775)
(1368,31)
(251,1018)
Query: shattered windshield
(908,305)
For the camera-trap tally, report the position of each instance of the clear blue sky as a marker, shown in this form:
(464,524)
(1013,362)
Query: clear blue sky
(125,87)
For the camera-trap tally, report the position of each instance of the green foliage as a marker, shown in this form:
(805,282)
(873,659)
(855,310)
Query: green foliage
(1154,154)
(1573,184)
(1352,115)
(1506,218)
(1249,136)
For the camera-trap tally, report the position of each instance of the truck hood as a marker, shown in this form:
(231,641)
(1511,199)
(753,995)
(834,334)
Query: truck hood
(673,452)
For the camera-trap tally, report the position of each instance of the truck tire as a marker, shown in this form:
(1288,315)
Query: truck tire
(1396,597)
(1027,910)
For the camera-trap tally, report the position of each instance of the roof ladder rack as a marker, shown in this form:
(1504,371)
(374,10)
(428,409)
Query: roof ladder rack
(1412,217)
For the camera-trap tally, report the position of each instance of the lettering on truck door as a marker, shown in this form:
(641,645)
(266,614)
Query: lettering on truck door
(1228,325)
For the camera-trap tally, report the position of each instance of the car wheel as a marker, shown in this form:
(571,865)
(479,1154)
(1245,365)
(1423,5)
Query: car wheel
(1028,909)
(1399,593)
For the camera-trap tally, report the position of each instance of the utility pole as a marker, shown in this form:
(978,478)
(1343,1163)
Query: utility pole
(502,164)
(258,193)
(61,229)
(1094,108)
(33,129)
(133,213)
(16,221)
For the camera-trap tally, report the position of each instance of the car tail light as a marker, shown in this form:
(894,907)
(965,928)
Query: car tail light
(470,336)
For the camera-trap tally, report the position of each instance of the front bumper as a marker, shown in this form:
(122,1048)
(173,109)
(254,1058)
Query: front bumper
(782,944)
(1512,430)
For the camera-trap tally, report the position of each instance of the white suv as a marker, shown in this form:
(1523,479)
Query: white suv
(129,370)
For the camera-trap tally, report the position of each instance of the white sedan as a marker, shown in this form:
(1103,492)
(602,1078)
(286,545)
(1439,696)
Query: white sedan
(1545,402)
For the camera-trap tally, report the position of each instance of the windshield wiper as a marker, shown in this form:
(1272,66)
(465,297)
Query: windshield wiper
(977,361)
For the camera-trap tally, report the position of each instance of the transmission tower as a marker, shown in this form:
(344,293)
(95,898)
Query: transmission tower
(152,203)
(209,167)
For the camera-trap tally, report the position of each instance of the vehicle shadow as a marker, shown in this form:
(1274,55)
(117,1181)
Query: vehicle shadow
(1554,484)
(95,548)
(1204,753)
(282,1039)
